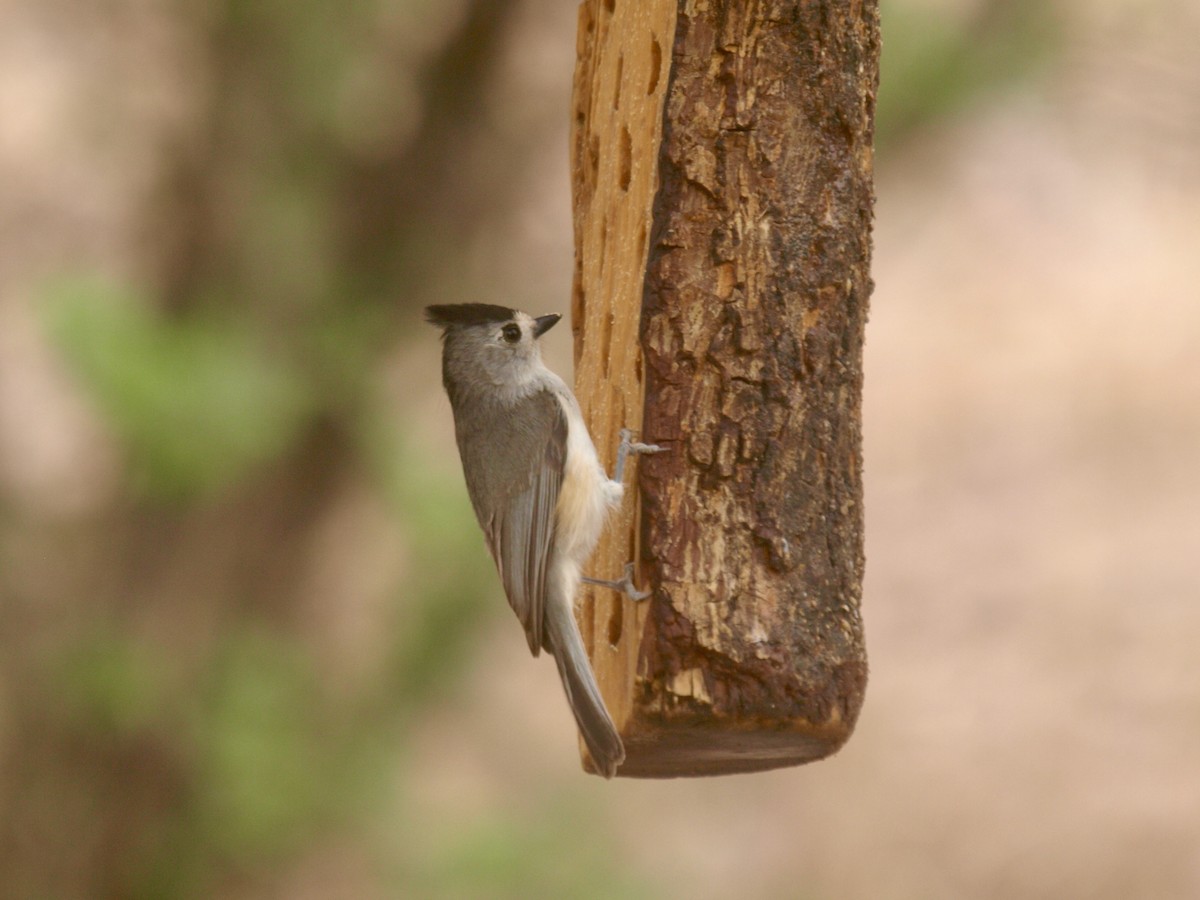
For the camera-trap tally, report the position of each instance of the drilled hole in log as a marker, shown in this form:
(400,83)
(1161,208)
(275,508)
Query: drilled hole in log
(602,258)
(616,623)
(610,5)
(606,341)
(626,158)
(617,89)
(655,64)
(577,297)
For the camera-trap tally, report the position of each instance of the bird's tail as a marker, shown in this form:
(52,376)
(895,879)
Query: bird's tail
(595,724)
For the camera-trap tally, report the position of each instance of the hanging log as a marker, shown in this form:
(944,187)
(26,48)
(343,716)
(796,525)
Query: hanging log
(722,175)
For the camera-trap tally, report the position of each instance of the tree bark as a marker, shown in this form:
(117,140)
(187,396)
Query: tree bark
(722,274)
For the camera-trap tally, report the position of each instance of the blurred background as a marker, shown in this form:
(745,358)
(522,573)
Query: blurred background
(251,645)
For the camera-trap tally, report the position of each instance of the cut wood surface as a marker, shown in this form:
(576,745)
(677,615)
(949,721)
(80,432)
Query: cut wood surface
(722,171)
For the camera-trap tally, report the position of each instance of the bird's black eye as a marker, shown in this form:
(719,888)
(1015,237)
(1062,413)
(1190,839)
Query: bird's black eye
(511,332)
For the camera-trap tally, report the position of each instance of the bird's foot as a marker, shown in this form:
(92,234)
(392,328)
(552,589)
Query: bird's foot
(629,445)
(624,586)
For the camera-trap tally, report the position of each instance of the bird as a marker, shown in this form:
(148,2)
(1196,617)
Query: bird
(537,487)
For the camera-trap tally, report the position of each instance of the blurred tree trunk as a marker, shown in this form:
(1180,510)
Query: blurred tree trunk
(723,201)
(122,630)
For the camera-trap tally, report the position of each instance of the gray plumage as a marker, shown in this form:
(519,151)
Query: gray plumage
(512,458)
(516,423)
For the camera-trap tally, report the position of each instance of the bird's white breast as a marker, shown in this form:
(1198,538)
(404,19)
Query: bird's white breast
(586,495)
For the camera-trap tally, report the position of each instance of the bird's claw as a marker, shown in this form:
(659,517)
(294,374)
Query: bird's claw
(629,445)
(624,586)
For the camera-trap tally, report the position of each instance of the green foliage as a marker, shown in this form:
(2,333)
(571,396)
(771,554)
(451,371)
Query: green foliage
(311,47)
(452,584)
(196,401)
(544,853)
(273,763)
(265,774)
(933,66)
(112,684)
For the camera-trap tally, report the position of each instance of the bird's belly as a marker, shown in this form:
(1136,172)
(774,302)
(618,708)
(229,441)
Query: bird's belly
(584,500)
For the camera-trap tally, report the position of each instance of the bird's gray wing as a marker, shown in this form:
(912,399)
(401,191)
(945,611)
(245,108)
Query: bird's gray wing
(513,458)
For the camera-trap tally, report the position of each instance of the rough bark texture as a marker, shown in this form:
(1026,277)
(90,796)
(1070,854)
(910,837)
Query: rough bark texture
(750,654)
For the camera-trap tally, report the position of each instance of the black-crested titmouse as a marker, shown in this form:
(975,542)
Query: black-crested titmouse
(537,486)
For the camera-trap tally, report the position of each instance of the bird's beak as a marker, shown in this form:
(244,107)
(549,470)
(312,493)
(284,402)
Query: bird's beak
(542,324)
